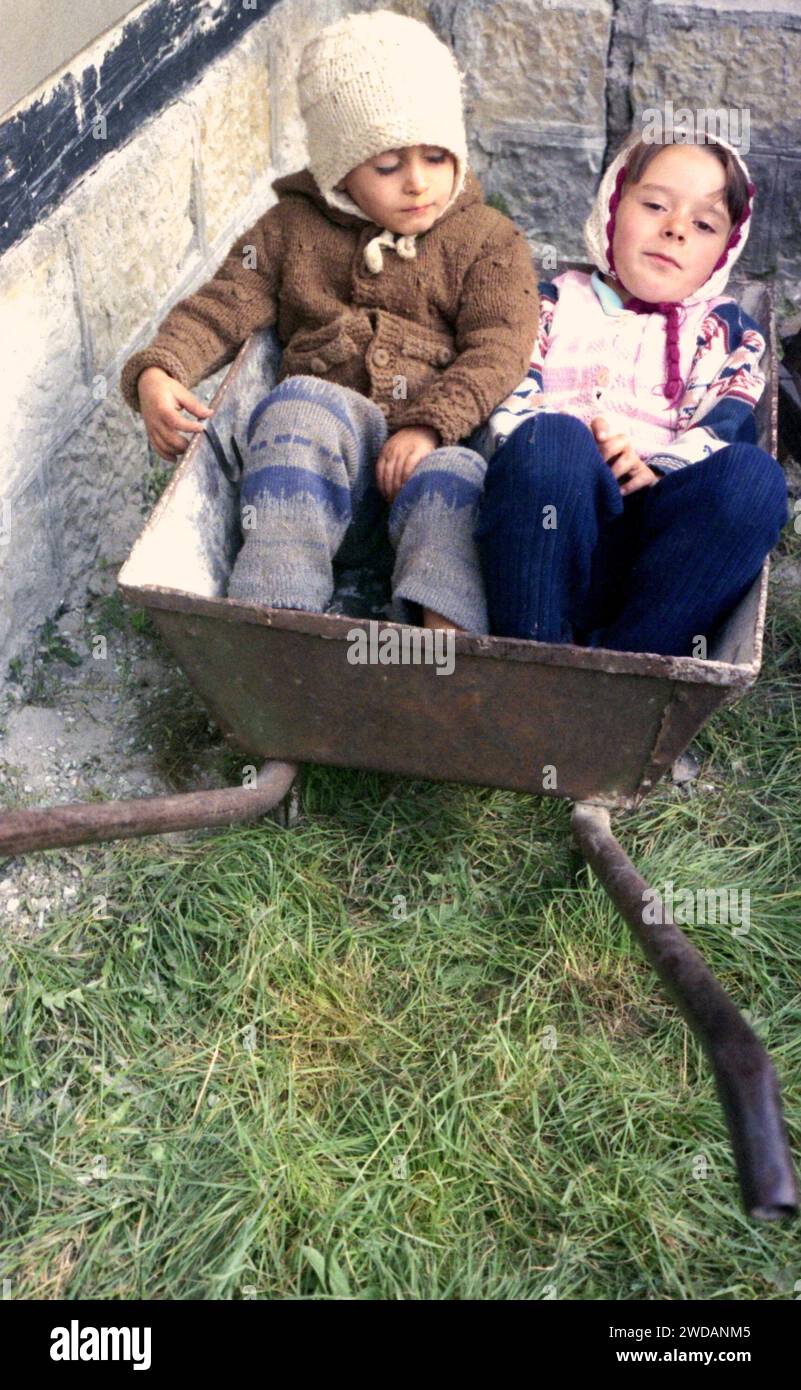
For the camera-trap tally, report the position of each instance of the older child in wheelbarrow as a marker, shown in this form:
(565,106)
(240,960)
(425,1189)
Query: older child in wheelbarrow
(405,307)
(626,504)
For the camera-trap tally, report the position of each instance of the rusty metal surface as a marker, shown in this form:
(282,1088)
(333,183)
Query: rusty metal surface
(684,714)
(279,683)
(276,691)
(687,669)
(744,1075)
(89,822)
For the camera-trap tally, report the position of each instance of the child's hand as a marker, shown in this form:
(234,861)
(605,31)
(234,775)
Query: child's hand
(617,451)
(401,455)
(161,398)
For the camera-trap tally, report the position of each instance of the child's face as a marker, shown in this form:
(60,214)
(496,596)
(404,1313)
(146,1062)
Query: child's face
(672,226)
(404,190)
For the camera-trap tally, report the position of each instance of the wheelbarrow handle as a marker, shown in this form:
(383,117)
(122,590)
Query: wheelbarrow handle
(744,1075)
(85,822)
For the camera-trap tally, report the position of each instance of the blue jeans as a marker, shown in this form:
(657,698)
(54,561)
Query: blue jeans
(566,558)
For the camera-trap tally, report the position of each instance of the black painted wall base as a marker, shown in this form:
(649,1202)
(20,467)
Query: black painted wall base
(45,148)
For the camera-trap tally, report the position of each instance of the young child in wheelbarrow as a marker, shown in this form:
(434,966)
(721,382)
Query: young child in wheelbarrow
(626,504)
(405,308)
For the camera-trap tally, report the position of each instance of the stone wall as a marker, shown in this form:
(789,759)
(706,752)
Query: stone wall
(552,86)
(547,112)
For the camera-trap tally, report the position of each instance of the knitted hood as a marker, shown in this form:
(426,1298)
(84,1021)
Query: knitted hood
(599,235)
(376,81)
(597,228)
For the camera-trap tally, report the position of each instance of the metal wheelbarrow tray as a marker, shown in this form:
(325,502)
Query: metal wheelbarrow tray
(595,726)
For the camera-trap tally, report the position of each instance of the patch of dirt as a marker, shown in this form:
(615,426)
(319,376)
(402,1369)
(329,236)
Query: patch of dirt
(83,719)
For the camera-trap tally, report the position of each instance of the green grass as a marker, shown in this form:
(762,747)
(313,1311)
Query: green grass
(405,1050)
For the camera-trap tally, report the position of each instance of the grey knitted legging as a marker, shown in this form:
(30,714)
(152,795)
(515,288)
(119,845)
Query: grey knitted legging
(309,495)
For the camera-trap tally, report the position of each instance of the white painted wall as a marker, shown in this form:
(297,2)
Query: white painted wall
(37,37)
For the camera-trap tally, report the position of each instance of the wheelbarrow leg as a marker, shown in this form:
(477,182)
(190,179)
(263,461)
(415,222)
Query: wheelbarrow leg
(286,813)
(86,822)
(744,1075)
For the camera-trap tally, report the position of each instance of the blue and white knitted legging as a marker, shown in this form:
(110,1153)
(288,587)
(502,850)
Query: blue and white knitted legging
(309,497)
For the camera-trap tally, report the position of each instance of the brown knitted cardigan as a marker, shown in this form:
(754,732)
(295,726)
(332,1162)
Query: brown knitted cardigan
(437,340)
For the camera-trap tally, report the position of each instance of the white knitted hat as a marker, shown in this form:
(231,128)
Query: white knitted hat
(374,82)
(596,228)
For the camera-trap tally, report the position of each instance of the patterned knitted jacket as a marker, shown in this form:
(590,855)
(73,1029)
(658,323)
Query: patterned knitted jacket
(438,339)
(594,357)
